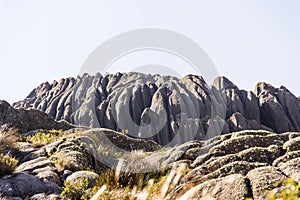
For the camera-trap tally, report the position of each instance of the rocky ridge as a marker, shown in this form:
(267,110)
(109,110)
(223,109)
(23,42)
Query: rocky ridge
(161,107)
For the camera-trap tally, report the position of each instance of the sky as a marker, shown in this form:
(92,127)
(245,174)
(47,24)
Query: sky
(248,41)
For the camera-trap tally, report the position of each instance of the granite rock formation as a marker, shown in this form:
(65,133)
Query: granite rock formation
(238,165)
(165,109)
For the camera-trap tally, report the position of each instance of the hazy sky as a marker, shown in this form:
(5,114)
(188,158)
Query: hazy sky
(249,40)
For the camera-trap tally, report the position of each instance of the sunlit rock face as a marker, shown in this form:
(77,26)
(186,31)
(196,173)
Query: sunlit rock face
(163,108)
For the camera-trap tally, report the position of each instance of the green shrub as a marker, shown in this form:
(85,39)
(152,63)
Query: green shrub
(120,185)
(74,190)
(144,187)
(40,138)
(89,193)
(289,191)
(7,165)
(124,185)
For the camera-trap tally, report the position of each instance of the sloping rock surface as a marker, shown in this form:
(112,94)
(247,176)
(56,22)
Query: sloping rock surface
(28,119)
(237,165)
(165,109)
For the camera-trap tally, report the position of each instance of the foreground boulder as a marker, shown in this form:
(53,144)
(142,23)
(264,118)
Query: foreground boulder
(87,175)
(25,185)
(230,187)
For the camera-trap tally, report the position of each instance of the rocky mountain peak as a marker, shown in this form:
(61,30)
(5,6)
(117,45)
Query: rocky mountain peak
(159,107)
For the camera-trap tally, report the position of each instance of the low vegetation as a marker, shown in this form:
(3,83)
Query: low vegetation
(8,140)
(62,162)
(8,145)
(41,138)
(7,165)
(288,190)
(114,184)
(75,190)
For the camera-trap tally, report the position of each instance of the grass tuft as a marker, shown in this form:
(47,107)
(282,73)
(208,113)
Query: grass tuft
(7,165)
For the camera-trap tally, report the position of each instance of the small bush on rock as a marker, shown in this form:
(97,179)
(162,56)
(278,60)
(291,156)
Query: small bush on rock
(40,138)
(74,190)
(290,191)
(7,165)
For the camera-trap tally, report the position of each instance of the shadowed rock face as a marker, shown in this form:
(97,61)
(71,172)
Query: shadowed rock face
(27,120)
(166,109)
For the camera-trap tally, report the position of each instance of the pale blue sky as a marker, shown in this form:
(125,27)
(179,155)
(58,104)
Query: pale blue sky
(248,40)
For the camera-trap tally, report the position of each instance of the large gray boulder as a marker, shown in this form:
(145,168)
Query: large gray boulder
(230,187)
(91,177)
(40,167)
(25,185)
(292,169)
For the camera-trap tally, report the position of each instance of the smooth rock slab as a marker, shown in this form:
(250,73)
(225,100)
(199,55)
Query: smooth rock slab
(231,187)
(34,164)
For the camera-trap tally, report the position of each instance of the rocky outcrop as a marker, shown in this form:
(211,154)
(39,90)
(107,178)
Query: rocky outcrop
(40,167)
(236,166)
(71,157)
(278,107)
(165,109)
(263,179)
(42,171)
(27,120)
(230,166)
